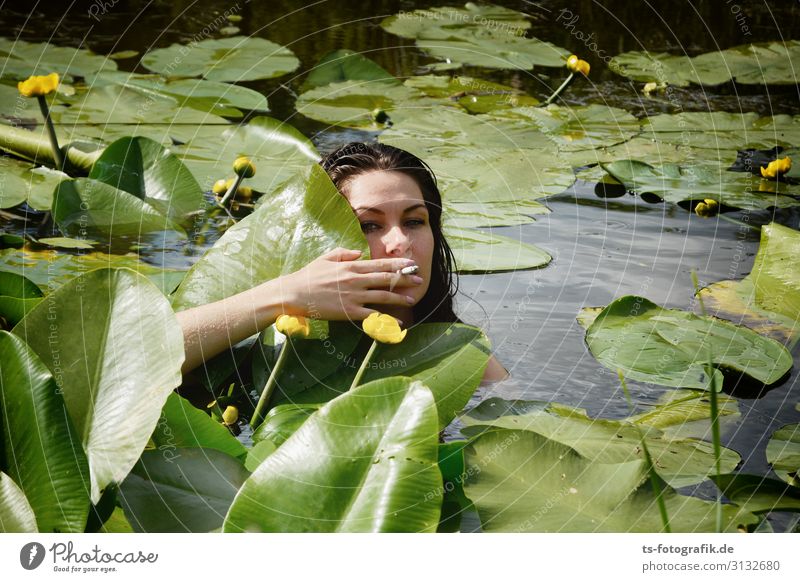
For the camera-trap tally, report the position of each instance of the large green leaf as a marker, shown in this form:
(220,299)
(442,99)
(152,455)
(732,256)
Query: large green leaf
(685,413)
(23,182)
(142,167)
(237,58)
(783,453)
(758,494)
(768,299)
(16,514)
(752,64)
(84,206)
(115,349)
(282,421)
(679,461)
(365,462)
(484,36)
(295,226)
(22,59)
(480,252)
(181,425)
(671,347)
(448,358)
(43,451)
(677,183)
(18,295)
(189,491)
(521,481)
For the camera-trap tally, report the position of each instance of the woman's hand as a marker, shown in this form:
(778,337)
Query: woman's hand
(336,286)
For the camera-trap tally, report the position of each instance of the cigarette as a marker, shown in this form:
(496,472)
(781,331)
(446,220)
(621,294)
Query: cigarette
(404,271)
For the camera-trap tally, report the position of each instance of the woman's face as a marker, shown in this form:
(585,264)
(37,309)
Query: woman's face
(393,216)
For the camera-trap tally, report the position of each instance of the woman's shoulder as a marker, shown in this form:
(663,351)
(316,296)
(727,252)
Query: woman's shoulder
(494,371)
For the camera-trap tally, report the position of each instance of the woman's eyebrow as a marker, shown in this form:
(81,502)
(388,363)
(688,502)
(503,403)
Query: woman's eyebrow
(379,211)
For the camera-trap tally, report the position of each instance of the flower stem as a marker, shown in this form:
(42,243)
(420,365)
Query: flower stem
(363,367)
(269,387)
(232,190)
(58,155)
(558,91)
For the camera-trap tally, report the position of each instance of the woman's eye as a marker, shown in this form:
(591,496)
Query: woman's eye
(368,226)
(415,222)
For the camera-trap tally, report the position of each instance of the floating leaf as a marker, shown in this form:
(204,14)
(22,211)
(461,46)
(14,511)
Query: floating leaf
(783,453)
(23,182)
(116,367)
(679,461)
(189,491)
(483,36)
(237,58)
(752,64)
(43,451)
(346,65)
(365,462)
(676,183)
(529,483)
(479,252)
(670,347)
(758,494)
(22,59)
(282,421)
(18,295)
(687,413)
(768,299)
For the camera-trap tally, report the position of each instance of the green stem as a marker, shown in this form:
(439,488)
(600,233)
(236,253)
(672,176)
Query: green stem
(558,91)
(58,155)
(232,190)
(269,387)
(363,367)
(36,148)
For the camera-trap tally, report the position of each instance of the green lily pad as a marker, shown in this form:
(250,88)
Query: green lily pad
(50,269)
(679,461)
(18,295)
(768,299)
(670,347)
(43,450)
(237,58)
(282,421)
(142,167)
(484,214)
(783,453)
(22,59)
(115,368)
(479,252)
(472,94)
(63,242)
(752,64)
(758,494)
(189,491)
(16,514)
(346,65)
(687,414)
(484,36)
(521,481)
(23,182)
(372,467)
(676,183)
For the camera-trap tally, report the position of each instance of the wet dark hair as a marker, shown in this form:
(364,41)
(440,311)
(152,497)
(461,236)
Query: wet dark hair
(358,158)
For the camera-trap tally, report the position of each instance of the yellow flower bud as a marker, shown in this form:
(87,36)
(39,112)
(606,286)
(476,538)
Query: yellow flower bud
(379,115)
(777,168)
(231,415)
(707,208)
(293,325)
(583,68)
(220,186)
(384,328)
(244,167)
(572,63)
(35,86)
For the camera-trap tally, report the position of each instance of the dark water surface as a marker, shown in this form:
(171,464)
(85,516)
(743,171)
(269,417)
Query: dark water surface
(603,248)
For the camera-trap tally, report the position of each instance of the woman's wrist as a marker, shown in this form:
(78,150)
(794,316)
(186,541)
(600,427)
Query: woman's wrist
(275,297)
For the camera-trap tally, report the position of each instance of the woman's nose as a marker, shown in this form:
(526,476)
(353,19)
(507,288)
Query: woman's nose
(397,243)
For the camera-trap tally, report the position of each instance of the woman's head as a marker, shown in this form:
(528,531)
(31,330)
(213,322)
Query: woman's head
(396,198)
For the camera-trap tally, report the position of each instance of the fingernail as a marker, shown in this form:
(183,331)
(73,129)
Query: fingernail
(416,279)
(409,299)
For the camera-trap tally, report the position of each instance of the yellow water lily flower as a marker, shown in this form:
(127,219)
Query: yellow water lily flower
(583,68)
(293,325)
(244,167)
(707,208)
(37,85)
(777,168)
(231,415)
(384,328)
(572,63)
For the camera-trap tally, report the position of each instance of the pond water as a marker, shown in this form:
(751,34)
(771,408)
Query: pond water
(603,247)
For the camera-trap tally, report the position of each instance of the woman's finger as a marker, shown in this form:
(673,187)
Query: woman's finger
(376,265)
(375,296)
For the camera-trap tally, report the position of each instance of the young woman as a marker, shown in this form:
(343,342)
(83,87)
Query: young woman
(395,197)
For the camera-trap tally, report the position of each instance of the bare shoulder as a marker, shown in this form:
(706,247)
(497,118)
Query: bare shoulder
(494,371)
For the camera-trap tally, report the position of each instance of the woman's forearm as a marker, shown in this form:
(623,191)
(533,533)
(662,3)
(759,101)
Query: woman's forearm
(210,329)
